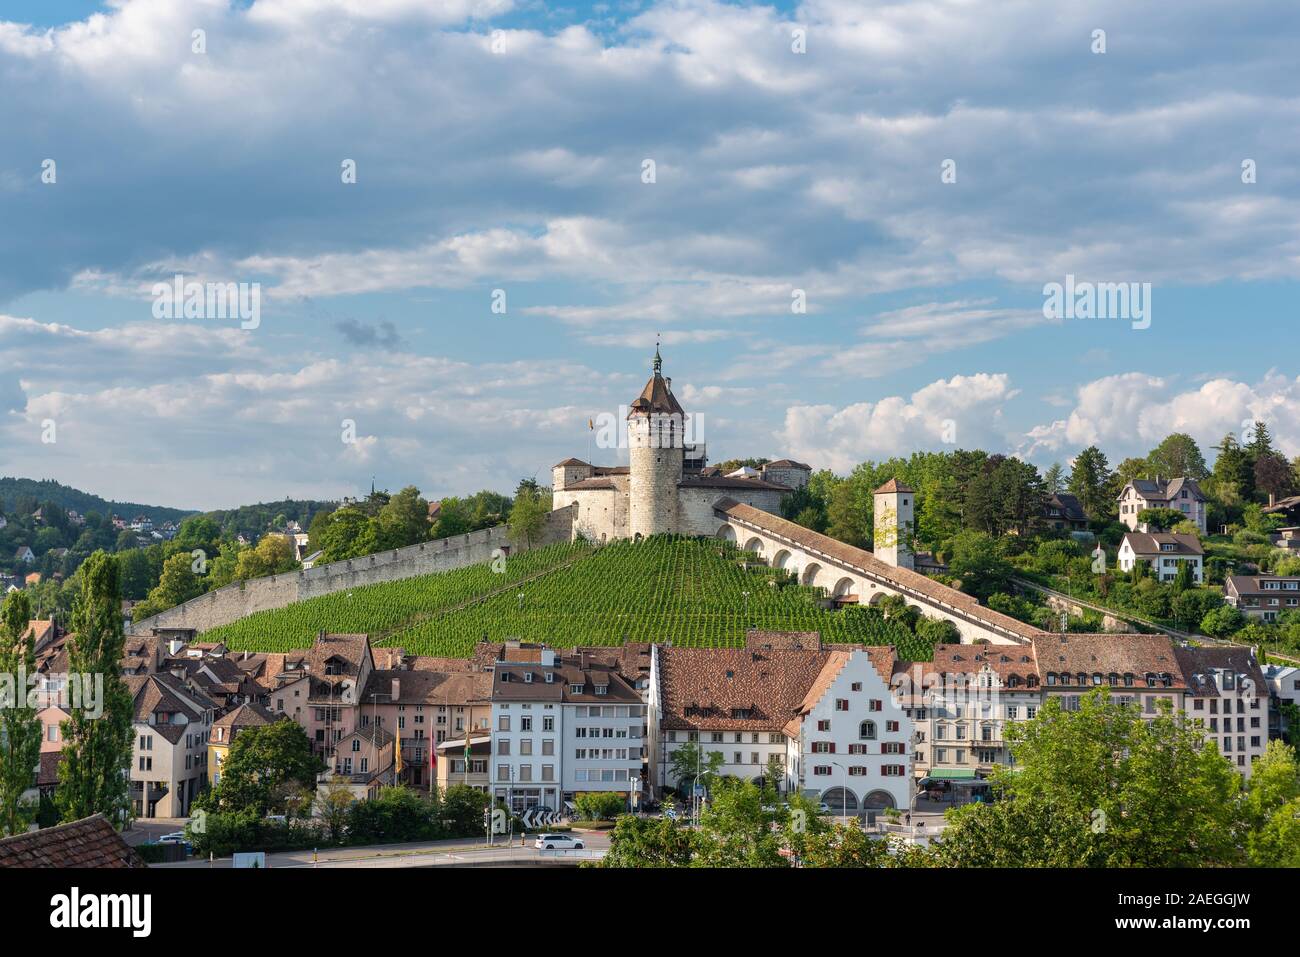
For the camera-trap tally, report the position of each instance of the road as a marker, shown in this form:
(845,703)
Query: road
(455,853)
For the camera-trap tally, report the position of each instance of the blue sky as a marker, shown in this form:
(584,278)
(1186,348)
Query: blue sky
(500,145)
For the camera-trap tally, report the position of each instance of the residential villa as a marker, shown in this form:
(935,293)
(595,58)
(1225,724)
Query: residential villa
(1262,596)
(1180,494)
(1164,552)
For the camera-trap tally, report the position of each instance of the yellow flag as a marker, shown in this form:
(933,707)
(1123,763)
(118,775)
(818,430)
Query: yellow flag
(397,753)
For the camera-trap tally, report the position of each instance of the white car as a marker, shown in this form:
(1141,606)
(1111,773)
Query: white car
(558,842)
(175,837)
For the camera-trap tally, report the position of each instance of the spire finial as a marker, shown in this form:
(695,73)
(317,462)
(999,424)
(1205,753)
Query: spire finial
(659,362)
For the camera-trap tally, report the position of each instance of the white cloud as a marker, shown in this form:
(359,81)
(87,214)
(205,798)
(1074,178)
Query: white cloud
(1128,414)
(964,411)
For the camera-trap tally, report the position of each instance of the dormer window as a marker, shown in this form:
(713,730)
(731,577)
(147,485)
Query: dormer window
(601,689)
(528,677)
(550,677)
(576,689)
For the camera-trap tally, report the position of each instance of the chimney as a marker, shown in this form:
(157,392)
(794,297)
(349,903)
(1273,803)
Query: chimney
(1272,499)
(669,383)
(397,682)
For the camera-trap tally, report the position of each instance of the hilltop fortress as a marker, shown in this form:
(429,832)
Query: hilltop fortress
(669,486)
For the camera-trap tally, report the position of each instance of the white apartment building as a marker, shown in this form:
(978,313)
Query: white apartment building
(1228,693)
(562,726)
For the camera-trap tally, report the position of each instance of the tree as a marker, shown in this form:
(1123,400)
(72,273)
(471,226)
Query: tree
(977,560)
(528,517)
(333,802)
(1222,621)
(1272,809)
(266,763)
(1160,519)
(1234,472)
(600,805)
(774,775)
(272,555)
(1273,475)
(735,831)
(1261,442)
(403,521)
(1090,483)
(1054,479)
(177,584)
(1178,455)
(689,760)
(20,728)
(97,736)
(1102,787)
(649,842)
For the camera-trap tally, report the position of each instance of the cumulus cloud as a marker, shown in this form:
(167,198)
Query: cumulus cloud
(963,411)
(1130,413)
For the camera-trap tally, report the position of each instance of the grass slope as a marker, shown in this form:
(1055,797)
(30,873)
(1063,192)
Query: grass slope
(666,588)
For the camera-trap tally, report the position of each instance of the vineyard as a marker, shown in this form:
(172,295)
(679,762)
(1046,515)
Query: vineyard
(666,588)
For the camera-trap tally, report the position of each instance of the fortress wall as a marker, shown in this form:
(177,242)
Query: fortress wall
(239,599)
(695,515)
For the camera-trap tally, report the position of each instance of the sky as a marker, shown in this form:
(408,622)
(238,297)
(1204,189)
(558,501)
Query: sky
(542,192)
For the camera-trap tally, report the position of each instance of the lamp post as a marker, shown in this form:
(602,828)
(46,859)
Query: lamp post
(844,792)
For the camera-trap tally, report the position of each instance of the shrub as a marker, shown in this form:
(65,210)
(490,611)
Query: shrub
(600,805)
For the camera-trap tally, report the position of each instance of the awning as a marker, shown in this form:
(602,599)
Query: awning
(951,774)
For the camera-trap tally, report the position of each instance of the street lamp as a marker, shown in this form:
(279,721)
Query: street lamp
(844,792)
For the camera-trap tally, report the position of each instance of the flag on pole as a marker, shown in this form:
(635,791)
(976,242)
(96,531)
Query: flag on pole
(591,424)
(397,755)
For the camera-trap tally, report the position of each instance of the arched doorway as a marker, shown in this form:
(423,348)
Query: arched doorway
(841,801)
(843,587)
(878,801)
(754,545)
(727,534)
(783,559)
(810,574)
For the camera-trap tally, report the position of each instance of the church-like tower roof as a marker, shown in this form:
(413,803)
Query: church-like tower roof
(656,397)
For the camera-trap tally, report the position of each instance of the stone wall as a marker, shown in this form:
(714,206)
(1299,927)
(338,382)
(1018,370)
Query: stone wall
(695,515)
(240,599)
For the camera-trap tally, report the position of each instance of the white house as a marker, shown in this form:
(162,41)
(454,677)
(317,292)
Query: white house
(851,737)
(1164,552)
(1180,494)
(25,554)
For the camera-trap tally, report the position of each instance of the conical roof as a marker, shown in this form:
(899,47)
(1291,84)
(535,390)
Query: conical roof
(655,397)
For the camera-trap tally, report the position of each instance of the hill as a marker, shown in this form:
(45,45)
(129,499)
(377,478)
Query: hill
(665,588)
(47,490)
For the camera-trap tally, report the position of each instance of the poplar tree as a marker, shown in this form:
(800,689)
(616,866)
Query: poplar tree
(94,773)
(20,729)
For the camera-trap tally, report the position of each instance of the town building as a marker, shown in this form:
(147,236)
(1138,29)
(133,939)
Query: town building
(851,738)
(1262,596)
(1228,693)
(227,727)
(1164,552)
(960,704)
(562,726)
(169,762)
(1180,494)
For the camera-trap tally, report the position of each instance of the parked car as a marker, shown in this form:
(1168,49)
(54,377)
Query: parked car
(558,842)
(177,837)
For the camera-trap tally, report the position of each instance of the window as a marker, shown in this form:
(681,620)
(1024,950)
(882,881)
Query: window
(877,705)
(525,723)
(823,725)
(841,704)
(822,770)
(856,686)
(867,731)
(503,723)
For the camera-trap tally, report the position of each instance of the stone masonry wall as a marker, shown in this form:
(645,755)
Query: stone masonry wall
(239,599)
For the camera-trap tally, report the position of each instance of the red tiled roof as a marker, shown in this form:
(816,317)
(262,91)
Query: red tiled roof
(90,842)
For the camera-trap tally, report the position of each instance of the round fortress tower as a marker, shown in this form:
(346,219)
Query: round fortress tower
(656,427)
